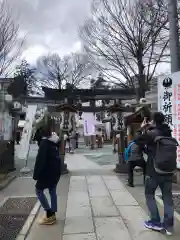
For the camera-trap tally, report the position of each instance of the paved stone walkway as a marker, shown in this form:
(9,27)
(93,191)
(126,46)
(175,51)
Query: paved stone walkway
(100,207)
(94,207)
(79,162)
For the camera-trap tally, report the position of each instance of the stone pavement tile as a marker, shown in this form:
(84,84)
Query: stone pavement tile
(78,183)
(96,186)
(78,161)
(111,228)
(123,198)
(54,232)
(88,236)
(134,217)
(93,180)
(20,237)
(76,225)
(78,211)
(79,215)
(20,187)
(78,198)
(113,183)
(77,178)
(98,192)
(38,232)
(89,172)
(103,207)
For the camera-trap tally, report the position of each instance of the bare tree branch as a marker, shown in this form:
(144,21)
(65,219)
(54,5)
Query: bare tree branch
(127,40)
(10,43)
(79,69)
(56,72)
(53,71)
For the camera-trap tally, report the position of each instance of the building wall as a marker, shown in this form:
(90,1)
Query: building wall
(5,117)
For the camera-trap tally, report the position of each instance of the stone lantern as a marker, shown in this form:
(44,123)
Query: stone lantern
(118,132)
(67,123)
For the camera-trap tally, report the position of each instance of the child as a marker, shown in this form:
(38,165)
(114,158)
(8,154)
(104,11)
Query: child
(135,159)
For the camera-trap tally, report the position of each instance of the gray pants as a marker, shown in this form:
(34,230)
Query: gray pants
(72,144)
(165,184)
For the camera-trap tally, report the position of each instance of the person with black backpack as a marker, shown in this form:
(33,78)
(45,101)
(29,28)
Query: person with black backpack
(160,167)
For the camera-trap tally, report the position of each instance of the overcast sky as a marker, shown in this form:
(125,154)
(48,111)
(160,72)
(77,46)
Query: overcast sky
(50,25)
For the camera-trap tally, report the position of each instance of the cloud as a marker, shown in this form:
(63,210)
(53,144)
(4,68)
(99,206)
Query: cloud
(50,25)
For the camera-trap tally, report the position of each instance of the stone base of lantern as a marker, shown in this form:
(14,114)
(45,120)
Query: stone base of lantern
(114,150)
(63,165)
(121,168)
(65,170)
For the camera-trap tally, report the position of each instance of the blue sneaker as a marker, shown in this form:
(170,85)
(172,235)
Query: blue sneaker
(154,226)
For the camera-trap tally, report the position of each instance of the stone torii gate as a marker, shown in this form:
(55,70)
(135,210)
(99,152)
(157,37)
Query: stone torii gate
(70,101)
(75,97)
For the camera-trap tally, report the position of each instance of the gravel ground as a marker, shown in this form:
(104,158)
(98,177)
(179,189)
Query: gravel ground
(102,158)
(176,200)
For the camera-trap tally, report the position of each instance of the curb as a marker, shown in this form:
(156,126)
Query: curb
(29,222)
(6,182)
(160,202)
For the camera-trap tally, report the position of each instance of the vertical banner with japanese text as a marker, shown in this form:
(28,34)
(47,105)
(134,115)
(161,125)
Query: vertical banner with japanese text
(169,104)
(89,125)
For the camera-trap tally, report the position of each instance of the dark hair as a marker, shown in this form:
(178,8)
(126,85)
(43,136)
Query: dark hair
(46,131)
(158,118)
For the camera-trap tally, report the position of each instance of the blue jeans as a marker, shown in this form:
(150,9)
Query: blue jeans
(44,202)
(165,184)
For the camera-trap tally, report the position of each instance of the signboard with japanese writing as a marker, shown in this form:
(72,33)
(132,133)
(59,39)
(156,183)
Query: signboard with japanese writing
(89,125)
(169,104)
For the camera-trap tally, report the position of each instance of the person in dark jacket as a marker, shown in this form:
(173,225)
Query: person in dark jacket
(154,179)
(47,172)
(135,159)
(39,135)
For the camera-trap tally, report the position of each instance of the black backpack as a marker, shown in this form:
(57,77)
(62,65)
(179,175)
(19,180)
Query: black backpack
(166,155)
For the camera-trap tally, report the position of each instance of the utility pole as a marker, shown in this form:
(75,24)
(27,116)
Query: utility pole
(2,99)
(174,35)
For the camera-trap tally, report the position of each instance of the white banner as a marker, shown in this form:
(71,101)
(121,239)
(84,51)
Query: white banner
(89,126)
(169,104)
(27,132)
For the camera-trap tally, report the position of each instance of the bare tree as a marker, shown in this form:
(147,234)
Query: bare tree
(57,72)
(52,71)
(79,69)
(10,43)
(127,40)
